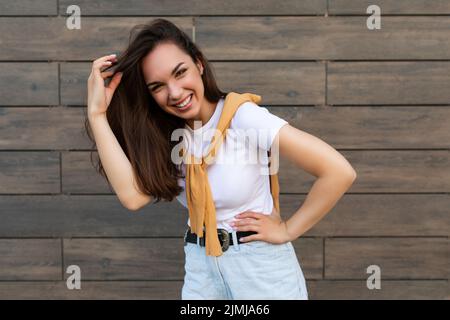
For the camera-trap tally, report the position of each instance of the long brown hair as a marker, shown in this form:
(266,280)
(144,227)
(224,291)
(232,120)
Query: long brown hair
(141,127)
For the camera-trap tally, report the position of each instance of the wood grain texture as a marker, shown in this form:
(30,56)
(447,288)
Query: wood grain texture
(30,259)
(29,172)
(390,290)
(97,215)
(28,7)
(398,258)
(390,6)
(28,83)
(196,7)
(40,38)
(385,171)
(388,83)
(323,38)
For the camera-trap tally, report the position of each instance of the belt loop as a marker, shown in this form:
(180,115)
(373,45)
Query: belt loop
(198,240)
(236,244)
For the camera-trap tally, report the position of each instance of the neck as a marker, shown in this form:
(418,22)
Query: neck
(206,112)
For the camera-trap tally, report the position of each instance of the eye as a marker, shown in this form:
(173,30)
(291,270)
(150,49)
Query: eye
(181,71)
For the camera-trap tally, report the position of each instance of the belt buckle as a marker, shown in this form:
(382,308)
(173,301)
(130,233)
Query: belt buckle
(224,236)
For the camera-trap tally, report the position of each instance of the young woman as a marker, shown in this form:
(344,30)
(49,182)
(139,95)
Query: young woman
(162,83)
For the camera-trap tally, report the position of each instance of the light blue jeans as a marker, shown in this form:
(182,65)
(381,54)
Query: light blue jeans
(256,270)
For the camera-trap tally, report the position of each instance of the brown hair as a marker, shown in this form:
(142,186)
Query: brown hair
(141,127)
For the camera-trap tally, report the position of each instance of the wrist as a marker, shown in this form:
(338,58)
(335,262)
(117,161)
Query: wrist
(291,235)
(96,117)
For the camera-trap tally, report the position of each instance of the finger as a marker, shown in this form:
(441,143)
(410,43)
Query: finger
(105,58)
(247,221)
(249,227)
(115,81)
(253,237)
(96,67)
(106,74)
(249,214)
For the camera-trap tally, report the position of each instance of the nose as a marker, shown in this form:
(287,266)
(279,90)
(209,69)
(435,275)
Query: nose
(175,94)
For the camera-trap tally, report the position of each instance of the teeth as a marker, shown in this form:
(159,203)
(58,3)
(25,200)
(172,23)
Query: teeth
(184,103)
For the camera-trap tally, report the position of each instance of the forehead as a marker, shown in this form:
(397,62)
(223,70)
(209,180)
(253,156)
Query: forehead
(159,63)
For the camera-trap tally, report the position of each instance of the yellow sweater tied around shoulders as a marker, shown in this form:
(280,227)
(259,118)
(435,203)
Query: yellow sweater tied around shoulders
(202,211)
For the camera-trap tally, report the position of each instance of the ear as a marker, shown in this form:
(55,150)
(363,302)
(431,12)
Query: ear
(200,67)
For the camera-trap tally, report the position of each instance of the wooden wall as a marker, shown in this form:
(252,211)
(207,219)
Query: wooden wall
(380,97)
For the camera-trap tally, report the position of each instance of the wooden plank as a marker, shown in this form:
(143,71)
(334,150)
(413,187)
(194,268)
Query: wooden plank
(88,216)
(290,82)
(322,38)
(73,79)
(38,83)
(309,253)
(29,172)
(390,290)
(79,174)
(388,83)
(30,259)
(276,82)
(398,258)
(379,215)
(42,128)
(28,8)
(92,290)
(42,38)
(155,259)
(390,6)
(399,171)
(367,127)
(349,127)
(126,259)
(196,7)
(103,216)
(378,171)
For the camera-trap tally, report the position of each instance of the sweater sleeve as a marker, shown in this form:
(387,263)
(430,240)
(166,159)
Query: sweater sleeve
(259,123)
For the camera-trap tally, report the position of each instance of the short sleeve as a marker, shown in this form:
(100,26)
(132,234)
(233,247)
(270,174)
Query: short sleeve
(258,121)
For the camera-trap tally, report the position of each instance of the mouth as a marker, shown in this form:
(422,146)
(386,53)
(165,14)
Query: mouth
(185,104)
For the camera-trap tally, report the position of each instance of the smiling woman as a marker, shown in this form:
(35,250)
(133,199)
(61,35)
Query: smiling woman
(236,244)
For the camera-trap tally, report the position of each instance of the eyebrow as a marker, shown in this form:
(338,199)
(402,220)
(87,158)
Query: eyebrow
(173,72)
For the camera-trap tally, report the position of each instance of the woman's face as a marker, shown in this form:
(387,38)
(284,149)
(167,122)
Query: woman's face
(171,76)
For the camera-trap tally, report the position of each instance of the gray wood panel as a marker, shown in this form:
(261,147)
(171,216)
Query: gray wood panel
(396,171)
(29,172)
(290,82)
(317,38)
(36,38)
(79,175)
(103,216)
(87,216)
(390,6)
(368,127)
(43,128)
(411,82)
(156,259)
(379,215)
(171,290)
(30,259)
(390,290)
(28,7)
(28,83)
(398,258)
(92,290)
(348,127)
(196,7)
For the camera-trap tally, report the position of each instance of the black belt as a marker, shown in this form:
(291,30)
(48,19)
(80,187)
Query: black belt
(225,237)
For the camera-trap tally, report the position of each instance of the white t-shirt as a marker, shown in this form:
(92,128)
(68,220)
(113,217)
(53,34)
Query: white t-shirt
(239,177)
